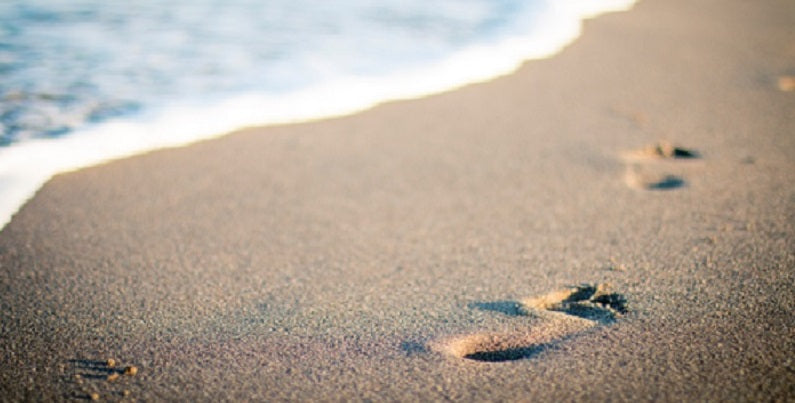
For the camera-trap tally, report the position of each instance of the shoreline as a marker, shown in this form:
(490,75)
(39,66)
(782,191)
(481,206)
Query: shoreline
(25,167)
(533,237)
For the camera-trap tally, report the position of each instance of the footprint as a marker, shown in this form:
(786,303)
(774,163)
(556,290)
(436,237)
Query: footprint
(592,302)
(94,379)
(661,150)
(638,178)
(562,314)
(656,167)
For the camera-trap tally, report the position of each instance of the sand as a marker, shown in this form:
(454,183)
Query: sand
(431,249)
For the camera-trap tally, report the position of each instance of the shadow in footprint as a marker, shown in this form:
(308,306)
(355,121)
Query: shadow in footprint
(665,149)
(651,181)
(510,354)
(685,153)
(92,369)
(667,183)
(615,301)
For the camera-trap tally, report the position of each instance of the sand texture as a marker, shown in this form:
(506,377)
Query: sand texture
(614,223)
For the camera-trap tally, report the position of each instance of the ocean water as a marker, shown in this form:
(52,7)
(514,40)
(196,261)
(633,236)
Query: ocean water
(86,81)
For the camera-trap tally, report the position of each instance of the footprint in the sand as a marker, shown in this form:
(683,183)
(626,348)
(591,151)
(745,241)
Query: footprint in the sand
(561,314)
(95,379)
(656,167)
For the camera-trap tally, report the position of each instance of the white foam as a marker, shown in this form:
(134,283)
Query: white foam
(26,166)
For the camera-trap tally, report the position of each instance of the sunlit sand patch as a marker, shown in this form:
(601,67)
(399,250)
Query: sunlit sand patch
(786,83)
(562,314)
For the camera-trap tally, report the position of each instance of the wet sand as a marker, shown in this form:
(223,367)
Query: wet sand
(616,222)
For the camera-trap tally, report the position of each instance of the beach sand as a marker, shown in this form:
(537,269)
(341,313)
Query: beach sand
(439,248)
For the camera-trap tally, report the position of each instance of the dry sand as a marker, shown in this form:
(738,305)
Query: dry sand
(364,257)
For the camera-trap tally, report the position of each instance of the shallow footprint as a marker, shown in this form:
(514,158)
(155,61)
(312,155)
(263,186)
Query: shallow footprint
(563,314)
(661,150)
(639,178)
(654,167)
